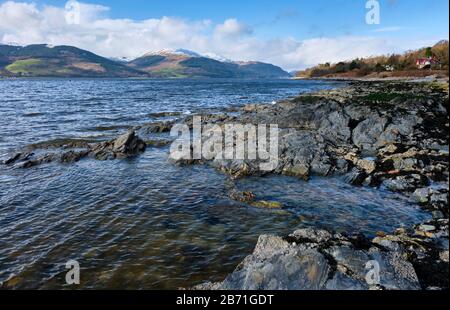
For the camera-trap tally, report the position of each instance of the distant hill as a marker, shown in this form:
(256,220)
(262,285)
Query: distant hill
(394,65)
(42,60)
(60,61)
(182,63)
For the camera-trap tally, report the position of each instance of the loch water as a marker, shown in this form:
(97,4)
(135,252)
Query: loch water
(143,222)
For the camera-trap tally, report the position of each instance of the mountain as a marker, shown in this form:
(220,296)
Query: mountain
(187,52)
(182,64)
(217,57)
(41,60)
(440,44)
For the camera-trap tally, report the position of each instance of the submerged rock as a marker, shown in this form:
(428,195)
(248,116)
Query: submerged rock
(267,204)
(246,197)
(250,199)
(12,159)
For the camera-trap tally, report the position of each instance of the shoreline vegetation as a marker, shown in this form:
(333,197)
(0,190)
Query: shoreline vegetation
(422,63)
(390,134)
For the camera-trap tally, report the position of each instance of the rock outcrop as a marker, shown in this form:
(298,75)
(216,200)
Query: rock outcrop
(311,259)
(386,135)
(126,145)
(380,134)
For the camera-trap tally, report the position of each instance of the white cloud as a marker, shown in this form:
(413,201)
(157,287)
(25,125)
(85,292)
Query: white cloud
(232,28)
(389,29)
(26,23)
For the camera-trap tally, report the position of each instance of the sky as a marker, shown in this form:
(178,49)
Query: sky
(294,34)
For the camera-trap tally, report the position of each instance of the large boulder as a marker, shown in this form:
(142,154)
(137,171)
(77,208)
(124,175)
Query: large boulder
(311,259)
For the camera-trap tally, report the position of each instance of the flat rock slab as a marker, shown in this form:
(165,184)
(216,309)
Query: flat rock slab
(312,259)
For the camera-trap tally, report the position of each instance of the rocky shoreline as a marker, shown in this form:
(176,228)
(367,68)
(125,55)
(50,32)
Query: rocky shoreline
(310,259)
(381,134)
(392,135)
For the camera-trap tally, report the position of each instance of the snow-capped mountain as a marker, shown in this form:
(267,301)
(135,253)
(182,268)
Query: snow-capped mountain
(68,61)
(183,63)
(171,52)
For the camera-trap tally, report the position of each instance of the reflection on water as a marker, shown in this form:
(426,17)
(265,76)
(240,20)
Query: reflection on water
(143,222)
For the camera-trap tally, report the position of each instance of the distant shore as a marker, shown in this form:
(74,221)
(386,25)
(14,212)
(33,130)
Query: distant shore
(372,78)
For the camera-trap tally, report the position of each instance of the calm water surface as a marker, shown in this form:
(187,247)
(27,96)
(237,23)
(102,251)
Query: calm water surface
(143,222)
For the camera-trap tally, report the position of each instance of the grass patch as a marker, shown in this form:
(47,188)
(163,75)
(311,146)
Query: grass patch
(169,73)
(24,66)
(64,71)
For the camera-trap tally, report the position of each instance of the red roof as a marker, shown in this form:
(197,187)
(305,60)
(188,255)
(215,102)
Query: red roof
(425,60)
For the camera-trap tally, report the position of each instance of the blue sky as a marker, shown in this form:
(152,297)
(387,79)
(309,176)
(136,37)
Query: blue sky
(255,24)
(299,18)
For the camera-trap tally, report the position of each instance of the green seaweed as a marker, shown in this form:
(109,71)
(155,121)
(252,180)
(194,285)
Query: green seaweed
(385,97)
(307,99)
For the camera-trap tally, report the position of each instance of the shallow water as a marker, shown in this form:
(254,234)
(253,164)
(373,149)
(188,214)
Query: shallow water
(143,222)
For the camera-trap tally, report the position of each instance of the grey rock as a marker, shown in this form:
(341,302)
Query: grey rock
(426,228)
(367,133)
(402,126)
(126,145)
(335,127)
(352,259)
(421,195)
(12,159)
(310,259)
(405,183)
(277,265)
(342,281)
(437,214)
(355,177)
(313,235)
(396,273)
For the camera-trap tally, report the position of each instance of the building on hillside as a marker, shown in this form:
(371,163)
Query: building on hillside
(427,63)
